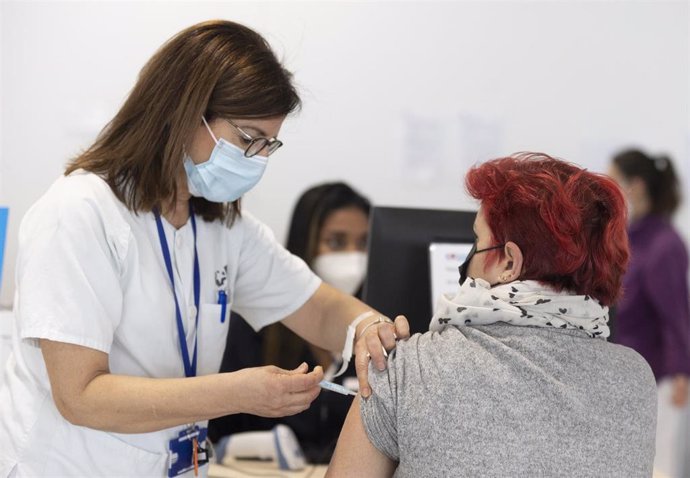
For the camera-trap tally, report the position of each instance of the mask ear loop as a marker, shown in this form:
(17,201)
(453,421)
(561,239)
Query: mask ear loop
(209,129)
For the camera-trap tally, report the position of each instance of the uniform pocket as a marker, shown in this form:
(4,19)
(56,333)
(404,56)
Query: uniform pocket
(212,312)
(213,335)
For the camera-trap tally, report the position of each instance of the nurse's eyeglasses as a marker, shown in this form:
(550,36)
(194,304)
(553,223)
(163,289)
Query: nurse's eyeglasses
(256,144)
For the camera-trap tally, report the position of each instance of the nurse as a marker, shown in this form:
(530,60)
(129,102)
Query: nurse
(129,265)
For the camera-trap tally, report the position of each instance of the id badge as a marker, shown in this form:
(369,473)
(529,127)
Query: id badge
(183,454)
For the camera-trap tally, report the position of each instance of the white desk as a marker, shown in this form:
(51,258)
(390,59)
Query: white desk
(265,469)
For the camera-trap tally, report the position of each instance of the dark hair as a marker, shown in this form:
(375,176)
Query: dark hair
(281,346)
(569,223)
(658,175)
(216,68)
(312,210)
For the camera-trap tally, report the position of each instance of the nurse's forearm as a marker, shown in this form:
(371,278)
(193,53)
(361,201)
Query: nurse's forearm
(87,394)
(324,318)
(127,404)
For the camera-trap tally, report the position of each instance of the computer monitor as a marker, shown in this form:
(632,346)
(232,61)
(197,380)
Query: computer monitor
(401,248)
(4,211)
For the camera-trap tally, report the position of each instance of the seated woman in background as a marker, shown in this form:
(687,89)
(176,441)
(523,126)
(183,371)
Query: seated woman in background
(515,376)
(329,229)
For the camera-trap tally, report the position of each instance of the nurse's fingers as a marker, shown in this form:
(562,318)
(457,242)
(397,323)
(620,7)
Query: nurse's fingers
(379,338)
(302,389)
(275,392)
(387,336)
(375,347)
(296,381)
(362,368)
(303,368)
(298,402)
(402,327)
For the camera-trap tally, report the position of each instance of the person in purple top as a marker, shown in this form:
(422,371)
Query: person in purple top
(653,317)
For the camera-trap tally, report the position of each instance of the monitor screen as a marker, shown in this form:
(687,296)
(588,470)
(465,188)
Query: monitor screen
(403,243)
(3,232)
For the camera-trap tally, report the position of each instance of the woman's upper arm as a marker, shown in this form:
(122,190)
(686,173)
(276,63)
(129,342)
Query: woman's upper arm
(271,282)
(354,454)
(70,369)
(68,273)
(368,442)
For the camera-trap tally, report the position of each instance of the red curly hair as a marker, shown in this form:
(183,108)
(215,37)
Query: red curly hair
(569,223)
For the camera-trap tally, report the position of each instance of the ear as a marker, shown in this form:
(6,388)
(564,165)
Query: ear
(511,263)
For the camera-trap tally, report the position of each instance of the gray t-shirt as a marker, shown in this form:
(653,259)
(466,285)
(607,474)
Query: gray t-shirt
(502,400)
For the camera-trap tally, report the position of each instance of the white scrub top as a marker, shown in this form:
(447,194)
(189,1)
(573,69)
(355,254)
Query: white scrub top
(91,273)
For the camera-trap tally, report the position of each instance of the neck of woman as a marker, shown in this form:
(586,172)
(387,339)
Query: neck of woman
(640,208)
(177,212)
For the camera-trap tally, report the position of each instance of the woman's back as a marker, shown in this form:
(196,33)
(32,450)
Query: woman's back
(652,316)
(503,400)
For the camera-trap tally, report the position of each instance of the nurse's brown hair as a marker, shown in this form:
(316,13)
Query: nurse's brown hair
(217,69)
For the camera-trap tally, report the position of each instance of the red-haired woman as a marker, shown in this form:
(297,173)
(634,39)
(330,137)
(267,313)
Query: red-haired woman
(515,377)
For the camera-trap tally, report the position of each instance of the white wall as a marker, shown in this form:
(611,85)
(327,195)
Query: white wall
(399,98)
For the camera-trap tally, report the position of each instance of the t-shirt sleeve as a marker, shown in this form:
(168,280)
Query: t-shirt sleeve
(379,411)
(68,285)
(271,282)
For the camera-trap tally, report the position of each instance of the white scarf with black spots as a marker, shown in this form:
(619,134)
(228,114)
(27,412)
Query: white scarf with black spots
(526,303)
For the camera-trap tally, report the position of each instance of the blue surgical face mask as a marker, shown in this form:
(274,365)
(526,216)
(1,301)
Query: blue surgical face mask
(227,174)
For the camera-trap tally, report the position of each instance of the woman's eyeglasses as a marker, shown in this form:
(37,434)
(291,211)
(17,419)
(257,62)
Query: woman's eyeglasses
(256,144)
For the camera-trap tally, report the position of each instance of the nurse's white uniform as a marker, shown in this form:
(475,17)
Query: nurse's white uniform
(91,273)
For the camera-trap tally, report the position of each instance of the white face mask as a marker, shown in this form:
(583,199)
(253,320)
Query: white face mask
(343,270)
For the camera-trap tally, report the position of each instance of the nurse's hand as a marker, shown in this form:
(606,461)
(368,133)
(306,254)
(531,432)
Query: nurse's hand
(371,343)
(275,392)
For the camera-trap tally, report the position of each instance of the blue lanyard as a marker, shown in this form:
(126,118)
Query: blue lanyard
(189,367)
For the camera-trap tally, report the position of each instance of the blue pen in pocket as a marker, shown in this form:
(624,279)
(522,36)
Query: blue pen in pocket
(223,301)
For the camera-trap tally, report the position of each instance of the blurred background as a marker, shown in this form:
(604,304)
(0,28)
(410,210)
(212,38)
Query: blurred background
(400,98)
